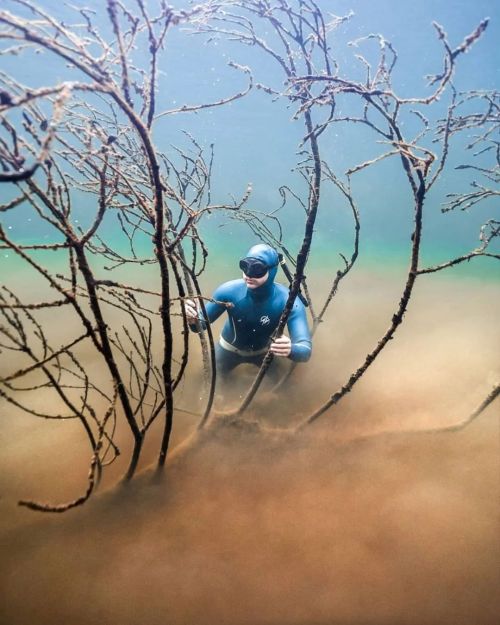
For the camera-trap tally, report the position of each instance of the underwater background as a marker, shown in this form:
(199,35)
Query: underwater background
(256,141)
(359,521)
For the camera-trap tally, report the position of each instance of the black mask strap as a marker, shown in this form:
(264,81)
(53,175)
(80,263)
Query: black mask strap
(289,277)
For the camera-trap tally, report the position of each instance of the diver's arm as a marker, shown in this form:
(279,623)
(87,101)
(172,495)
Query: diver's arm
(212,308)
(299,333)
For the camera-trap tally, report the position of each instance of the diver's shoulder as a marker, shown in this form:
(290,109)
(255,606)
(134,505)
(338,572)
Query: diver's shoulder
(281,287)
(281,290)
(231,289)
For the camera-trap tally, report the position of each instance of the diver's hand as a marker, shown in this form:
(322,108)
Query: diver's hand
(191,310)
(282,346)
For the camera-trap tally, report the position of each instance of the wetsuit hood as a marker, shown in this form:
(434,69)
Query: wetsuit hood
(269,256)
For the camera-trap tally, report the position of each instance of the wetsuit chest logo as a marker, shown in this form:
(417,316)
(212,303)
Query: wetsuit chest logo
(264,320)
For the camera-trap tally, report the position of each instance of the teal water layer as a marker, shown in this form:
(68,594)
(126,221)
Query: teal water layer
(256,140)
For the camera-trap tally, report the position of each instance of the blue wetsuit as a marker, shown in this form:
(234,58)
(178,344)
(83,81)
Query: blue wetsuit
(253,316)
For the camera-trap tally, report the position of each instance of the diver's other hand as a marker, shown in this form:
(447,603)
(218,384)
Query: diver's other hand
(282,346)
(191,310)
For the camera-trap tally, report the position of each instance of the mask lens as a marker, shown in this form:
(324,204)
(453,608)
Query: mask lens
(253,267)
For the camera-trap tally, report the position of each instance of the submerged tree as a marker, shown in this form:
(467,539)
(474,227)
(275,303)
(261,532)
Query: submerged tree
(89,143)
(315,82)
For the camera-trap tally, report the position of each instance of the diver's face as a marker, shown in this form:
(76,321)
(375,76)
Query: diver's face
(254,283)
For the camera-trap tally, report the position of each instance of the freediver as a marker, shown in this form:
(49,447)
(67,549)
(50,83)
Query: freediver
(255,305)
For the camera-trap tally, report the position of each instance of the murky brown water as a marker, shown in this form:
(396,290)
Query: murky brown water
(354,522)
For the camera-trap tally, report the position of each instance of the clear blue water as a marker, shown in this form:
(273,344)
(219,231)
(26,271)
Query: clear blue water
(256,139)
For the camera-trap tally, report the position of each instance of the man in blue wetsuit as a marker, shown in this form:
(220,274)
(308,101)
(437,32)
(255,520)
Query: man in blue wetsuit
(256,303)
